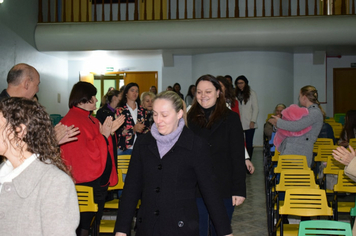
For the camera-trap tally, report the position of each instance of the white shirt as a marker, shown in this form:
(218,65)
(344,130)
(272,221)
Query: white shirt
(134,117)
(8,173)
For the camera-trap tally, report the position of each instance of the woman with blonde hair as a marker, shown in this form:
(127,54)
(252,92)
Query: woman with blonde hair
(302,145)
(147,101)
(166,166)
(37,193)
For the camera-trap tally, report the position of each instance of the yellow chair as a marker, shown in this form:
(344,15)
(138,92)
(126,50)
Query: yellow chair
(275,156)
(323,152)
(306,202)
(337,128)
(322,141)
(352,142)
(86,203)
(330,121)
(286,162)
(344,185)
(123,162)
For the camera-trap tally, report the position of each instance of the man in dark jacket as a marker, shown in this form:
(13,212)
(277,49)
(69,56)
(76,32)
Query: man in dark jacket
(22,81)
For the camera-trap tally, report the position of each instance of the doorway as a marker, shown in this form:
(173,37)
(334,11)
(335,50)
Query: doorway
(344,89)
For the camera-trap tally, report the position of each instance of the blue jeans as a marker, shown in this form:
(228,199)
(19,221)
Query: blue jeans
(205,224)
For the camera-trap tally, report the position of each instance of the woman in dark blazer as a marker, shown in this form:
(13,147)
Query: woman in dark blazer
(135,122)
(166,166)
(210,119)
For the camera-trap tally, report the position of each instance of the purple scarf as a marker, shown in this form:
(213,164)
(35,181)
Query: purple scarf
(166,142)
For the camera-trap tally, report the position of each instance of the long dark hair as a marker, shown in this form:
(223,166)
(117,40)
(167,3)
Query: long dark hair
(229,92)
(40,136)
(190,91)
(350,125)
(196,112)
(123,101)
(246,92)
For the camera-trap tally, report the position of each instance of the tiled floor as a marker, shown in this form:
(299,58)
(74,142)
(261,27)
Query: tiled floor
(249,219)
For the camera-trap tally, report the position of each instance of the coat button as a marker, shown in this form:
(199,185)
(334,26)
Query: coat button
(156,212)
(307,139)
(160,167)
(157,189)
(180,224)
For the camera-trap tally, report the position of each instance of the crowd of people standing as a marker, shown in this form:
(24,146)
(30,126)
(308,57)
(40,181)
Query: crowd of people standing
(189,154)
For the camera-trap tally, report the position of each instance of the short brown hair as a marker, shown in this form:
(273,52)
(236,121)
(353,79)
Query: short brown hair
(82,92)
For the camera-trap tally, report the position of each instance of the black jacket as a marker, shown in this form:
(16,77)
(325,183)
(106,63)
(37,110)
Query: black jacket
(168,188)
(226,143)
(4,95)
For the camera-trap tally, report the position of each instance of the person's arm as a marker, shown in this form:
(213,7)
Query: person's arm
(301,124)
(59,206)
(254,106)
(237,152)
(348,158)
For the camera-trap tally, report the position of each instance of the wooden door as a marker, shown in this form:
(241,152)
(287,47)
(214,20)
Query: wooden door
(344,89)
(144,79)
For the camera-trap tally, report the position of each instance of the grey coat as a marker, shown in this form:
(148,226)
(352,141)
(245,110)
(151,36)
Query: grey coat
(42,200)
(302,145)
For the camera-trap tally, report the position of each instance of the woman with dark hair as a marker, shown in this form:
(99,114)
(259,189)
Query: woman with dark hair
(112,99)
(190,95)
(248,110)
(210,119)
(349,129)
(166,166)
(90,157)
(177,88)
(135,123)
(304,143)
(232,104)
(37,194)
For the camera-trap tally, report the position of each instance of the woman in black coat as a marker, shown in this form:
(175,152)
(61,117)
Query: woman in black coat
(210,119)
(166,166)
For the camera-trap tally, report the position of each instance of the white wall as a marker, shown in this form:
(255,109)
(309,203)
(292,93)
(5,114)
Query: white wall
(270,74)
(180,73)
(17,26)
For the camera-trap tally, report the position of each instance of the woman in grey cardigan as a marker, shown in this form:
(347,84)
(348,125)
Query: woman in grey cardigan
(302,145)
(37,195)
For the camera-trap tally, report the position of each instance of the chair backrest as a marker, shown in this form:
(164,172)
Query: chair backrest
(322,141)
(337,116)
(333,166)
(286,162)
(55,118)
(86,199)
(344,183)
(324,151)
(353,210)
(330,120)
(352,142)
(296,179)
(305,202)
(337,128)
(276,155)
(324,227)
(123,162)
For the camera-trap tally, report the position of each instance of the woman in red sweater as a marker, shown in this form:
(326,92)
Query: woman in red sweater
(90,157)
